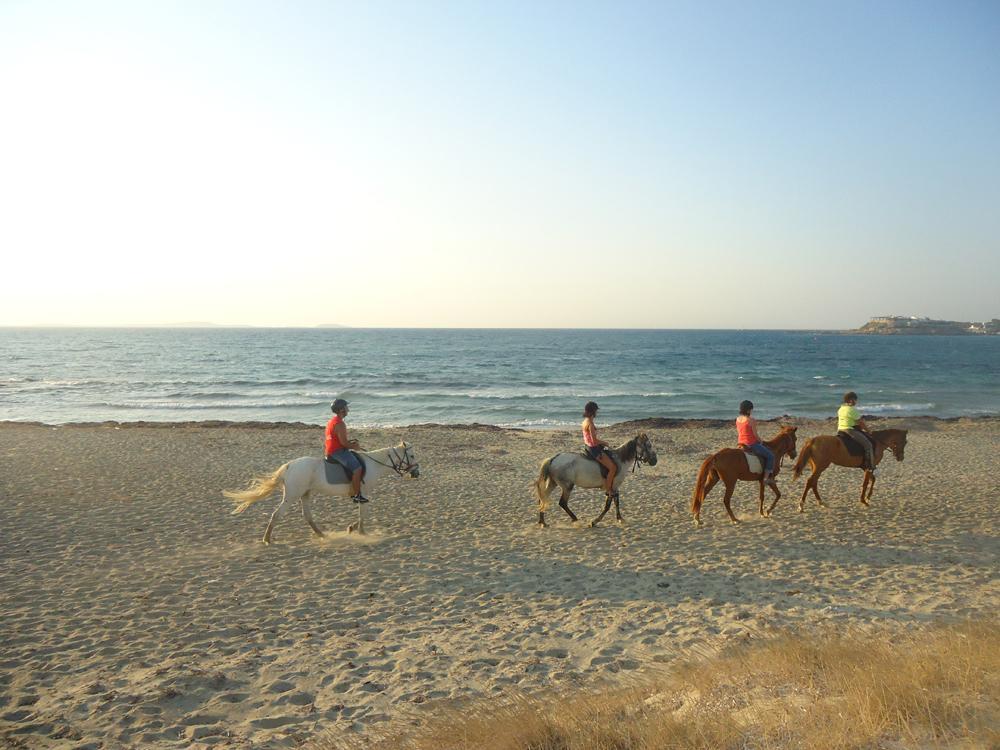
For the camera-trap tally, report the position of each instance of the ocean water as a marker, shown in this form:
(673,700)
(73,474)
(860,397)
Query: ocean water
(523,378)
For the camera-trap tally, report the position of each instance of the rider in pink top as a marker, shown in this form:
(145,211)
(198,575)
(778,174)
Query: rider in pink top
(597,449)
(746,432)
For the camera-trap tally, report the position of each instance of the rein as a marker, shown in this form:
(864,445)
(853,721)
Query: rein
(784,452)
(636,463)
(395,462)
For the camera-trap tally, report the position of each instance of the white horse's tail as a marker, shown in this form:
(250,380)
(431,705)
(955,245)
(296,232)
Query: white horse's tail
(260,487)
(543,486)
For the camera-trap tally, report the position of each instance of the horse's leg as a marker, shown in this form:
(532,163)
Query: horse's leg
(607,507)
(713,479)
(359,525)
(812,484)
(730,488)
(777,497)
(618,507)
(761,495)
(564,502)
(278,513)
(871,489)
(864,486)
(307,514)
(815,488)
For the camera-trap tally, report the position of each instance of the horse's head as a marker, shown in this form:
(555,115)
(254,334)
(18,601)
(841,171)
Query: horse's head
(644,452)
(406,460)
(790,436)
(897,443)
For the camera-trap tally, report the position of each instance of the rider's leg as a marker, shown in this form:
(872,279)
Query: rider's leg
(356,483)
(609,464)
(865,443)
(764,454)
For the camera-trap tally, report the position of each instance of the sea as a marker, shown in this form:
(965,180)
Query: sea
(529,378)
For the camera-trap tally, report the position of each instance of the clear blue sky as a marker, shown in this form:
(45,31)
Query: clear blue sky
(774,165)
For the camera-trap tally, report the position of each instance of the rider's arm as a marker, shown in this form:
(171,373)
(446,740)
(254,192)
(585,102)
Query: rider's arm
(860,425)
(341,429)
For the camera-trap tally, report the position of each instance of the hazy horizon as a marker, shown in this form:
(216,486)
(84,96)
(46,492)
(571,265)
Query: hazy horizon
(690,166)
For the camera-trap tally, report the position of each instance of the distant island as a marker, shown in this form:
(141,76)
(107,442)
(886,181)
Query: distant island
(895,325)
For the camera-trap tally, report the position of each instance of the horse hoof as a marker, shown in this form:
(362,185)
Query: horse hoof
(593,524)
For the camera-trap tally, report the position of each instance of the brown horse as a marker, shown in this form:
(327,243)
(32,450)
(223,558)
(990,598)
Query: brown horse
(821,451)
(730,465)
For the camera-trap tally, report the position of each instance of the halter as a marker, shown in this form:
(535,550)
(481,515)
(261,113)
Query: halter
(395,462)
(636,461)
(785,437)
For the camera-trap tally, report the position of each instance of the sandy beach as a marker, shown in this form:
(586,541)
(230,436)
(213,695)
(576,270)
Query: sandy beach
(135,611)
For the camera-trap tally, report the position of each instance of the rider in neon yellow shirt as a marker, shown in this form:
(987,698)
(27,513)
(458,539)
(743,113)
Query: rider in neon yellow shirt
(850,422)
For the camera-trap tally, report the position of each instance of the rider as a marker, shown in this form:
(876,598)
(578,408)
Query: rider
(850,422)
(746,431)
(597,449)
(338,445)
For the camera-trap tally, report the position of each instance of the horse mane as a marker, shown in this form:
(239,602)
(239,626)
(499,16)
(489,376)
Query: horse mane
(776,440)
(626,451)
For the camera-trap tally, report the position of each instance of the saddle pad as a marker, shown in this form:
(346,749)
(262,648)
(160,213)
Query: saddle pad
(753,463)
(337,474)
(853,447)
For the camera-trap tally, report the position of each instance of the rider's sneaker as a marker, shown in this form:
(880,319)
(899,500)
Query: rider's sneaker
(874,472)
(359,498)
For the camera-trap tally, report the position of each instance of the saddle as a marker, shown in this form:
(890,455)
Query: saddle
(602,467)
(336,472)
(853,446)
(754,464)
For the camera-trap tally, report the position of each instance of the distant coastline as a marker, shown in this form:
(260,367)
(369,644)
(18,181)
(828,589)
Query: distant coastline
(895,325)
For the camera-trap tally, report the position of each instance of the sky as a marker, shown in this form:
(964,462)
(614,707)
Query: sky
(499,164)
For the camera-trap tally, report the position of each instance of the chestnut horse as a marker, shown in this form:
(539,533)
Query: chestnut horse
(730,465)
(823,450)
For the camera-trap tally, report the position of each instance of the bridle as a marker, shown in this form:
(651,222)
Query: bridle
(786,437)
(400,465)
(638,460)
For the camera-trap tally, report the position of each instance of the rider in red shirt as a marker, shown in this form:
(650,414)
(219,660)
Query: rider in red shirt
(338,448)
(746,433)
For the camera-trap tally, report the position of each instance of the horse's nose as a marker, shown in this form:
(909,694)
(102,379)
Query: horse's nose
(415,472)
(652,460)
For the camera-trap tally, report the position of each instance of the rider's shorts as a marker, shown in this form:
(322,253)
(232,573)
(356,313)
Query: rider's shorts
(346,459)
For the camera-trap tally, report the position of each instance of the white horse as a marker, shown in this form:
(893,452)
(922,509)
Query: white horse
(569,470)
(304,476)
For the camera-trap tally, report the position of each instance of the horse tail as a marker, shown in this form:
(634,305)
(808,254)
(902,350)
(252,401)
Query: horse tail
(260,487)
(543,485)
(699,488)
(804,455)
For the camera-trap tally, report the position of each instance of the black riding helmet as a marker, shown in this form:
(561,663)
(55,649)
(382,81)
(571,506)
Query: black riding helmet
(337,405)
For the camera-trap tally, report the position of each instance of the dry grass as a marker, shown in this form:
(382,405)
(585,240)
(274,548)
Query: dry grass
(937,687)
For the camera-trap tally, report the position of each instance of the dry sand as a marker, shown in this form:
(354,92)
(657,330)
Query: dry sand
(136,612)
